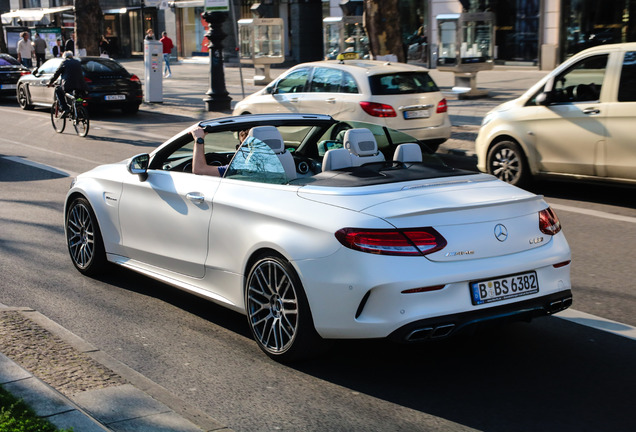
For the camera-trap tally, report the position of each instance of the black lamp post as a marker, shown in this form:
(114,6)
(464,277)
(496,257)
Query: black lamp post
(217,97)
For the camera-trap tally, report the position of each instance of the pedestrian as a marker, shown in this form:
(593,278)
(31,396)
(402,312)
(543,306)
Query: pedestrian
(167,50)
(57,49)
(104,47)
(39,44)
(70,44)
(25,50)
(150,34)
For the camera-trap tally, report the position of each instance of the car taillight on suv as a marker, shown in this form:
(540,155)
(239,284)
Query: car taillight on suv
(377,109)
(442,106)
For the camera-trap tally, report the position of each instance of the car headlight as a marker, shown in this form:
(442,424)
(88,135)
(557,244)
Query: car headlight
(73,182)
(487,119)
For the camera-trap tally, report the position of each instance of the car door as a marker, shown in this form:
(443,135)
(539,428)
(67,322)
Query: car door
(38,87)
(288,92)
(570,132)
(165,219)
(324,95)
(620,153)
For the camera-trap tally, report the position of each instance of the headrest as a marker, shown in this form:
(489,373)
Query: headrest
(360,142)
(270,136)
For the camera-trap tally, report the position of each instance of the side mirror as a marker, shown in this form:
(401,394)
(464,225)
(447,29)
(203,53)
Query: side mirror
(544,98)
(271,89)
(139,165)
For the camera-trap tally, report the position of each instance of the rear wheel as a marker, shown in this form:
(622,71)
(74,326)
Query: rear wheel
(23,98)
(81,122)
(278,311)
(84,239)
(59,122)
(507,162)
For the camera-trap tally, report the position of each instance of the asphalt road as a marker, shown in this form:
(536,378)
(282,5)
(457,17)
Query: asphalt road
(550,375)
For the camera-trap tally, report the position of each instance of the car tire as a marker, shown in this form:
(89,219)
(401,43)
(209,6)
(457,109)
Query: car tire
(507,162)
(23,98)
(278,312)
(84,239)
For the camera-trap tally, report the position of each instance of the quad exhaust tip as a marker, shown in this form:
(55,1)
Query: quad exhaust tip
(426,333)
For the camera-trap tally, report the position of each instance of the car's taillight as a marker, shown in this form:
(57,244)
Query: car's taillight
(549,222)
(88,80)
(377,109)
(135,78)
(25,72)
(442,106)
(407,242)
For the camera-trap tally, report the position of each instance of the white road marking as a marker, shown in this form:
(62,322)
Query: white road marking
(598,323)
(40,166)
(43,149)
(595,213)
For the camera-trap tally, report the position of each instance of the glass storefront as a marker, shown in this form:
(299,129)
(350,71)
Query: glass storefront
(588,23)
(192,29)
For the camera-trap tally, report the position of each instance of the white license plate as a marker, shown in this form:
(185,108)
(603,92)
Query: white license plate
(115,97)
(8,86)
(415,114)
(493,290)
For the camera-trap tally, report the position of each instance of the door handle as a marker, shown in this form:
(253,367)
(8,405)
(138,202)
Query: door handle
(195,197)
(294,99)
(591,111)
(331,100)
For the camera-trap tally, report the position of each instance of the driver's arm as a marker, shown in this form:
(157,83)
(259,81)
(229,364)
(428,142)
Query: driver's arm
(199,164)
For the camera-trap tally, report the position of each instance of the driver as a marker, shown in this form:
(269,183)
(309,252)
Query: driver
(199,164)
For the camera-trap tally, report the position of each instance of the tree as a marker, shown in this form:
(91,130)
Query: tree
(89,22)
(382,24)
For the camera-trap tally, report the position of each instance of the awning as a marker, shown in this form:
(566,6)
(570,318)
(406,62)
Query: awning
(33,14)
(186,3)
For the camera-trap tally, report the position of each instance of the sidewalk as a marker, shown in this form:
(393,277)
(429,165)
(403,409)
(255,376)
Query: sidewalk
(74,384)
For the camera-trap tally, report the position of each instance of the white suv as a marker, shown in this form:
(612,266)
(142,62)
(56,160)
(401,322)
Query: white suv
(578,121)
(397,95)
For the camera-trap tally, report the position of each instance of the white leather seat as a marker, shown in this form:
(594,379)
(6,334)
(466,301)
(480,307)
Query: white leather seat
(270,136)
(410,152)
(362,146)
(336,159)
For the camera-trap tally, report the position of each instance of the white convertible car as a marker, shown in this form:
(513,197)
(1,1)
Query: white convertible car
(321,229)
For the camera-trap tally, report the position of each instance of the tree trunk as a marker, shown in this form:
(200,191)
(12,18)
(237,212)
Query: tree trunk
(382,24)
(89,21)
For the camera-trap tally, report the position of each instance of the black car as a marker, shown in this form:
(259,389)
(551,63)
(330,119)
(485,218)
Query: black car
(110,85)
(10,72)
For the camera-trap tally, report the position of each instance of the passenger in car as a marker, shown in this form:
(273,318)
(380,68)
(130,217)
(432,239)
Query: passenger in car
(199,163)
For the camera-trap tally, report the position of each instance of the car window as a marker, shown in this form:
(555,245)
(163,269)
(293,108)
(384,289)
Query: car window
(294,82)
(256,162)
(326,80)
(104,66)
(402,83)
(50,66)
(582,81)
(349,84)
(627,86)
(8,61)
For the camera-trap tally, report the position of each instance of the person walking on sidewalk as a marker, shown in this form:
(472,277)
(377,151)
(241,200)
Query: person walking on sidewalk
(167,50)
(25,50)
(40,49)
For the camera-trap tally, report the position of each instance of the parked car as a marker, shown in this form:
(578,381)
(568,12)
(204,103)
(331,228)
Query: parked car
(10,72)
(397,95)
(110,85)
(372,238)
(577,123)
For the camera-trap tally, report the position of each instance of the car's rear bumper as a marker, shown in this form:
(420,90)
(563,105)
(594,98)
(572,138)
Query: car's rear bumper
(445,326)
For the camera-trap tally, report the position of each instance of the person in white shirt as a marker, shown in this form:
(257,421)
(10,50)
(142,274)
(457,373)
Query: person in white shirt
(25,50)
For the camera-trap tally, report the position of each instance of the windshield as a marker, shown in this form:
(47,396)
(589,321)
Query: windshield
(6,60)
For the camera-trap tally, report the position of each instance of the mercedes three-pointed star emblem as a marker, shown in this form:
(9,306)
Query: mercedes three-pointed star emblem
(501,232)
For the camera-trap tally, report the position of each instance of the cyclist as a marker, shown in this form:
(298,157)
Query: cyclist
(72,79)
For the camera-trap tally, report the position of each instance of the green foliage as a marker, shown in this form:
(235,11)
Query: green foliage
(16,416)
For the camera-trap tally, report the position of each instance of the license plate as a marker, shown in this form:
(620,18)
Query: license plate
(115,97)
(8,86)
(494,290)
(415,114)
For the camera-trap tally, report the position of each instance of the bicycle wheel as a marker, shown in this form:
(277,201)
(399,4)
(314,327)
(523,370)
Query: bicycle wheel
(59,122)
(81,122)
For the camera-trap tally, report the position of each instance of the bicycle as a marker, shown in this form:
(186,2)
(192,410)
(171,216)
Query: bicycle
(78,114)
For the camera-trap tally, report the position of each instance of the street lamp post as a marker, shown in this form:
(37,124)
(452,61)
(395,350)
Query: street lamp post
(217,97)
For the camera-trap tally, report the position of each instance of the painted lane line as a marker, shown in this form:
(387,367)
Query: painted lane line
(40,166)
(43,149)
(595,213)
(598,323)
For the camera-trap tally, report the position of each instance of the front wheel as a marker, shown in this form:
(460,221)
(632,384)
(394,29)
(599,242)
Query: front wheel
(278,311)
(84,239)
(59,122)
(81,122)
(23,98)
(507,162)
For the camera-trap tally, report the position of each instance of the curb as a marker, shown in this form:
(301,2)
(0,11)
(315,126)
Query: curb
(139,404)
